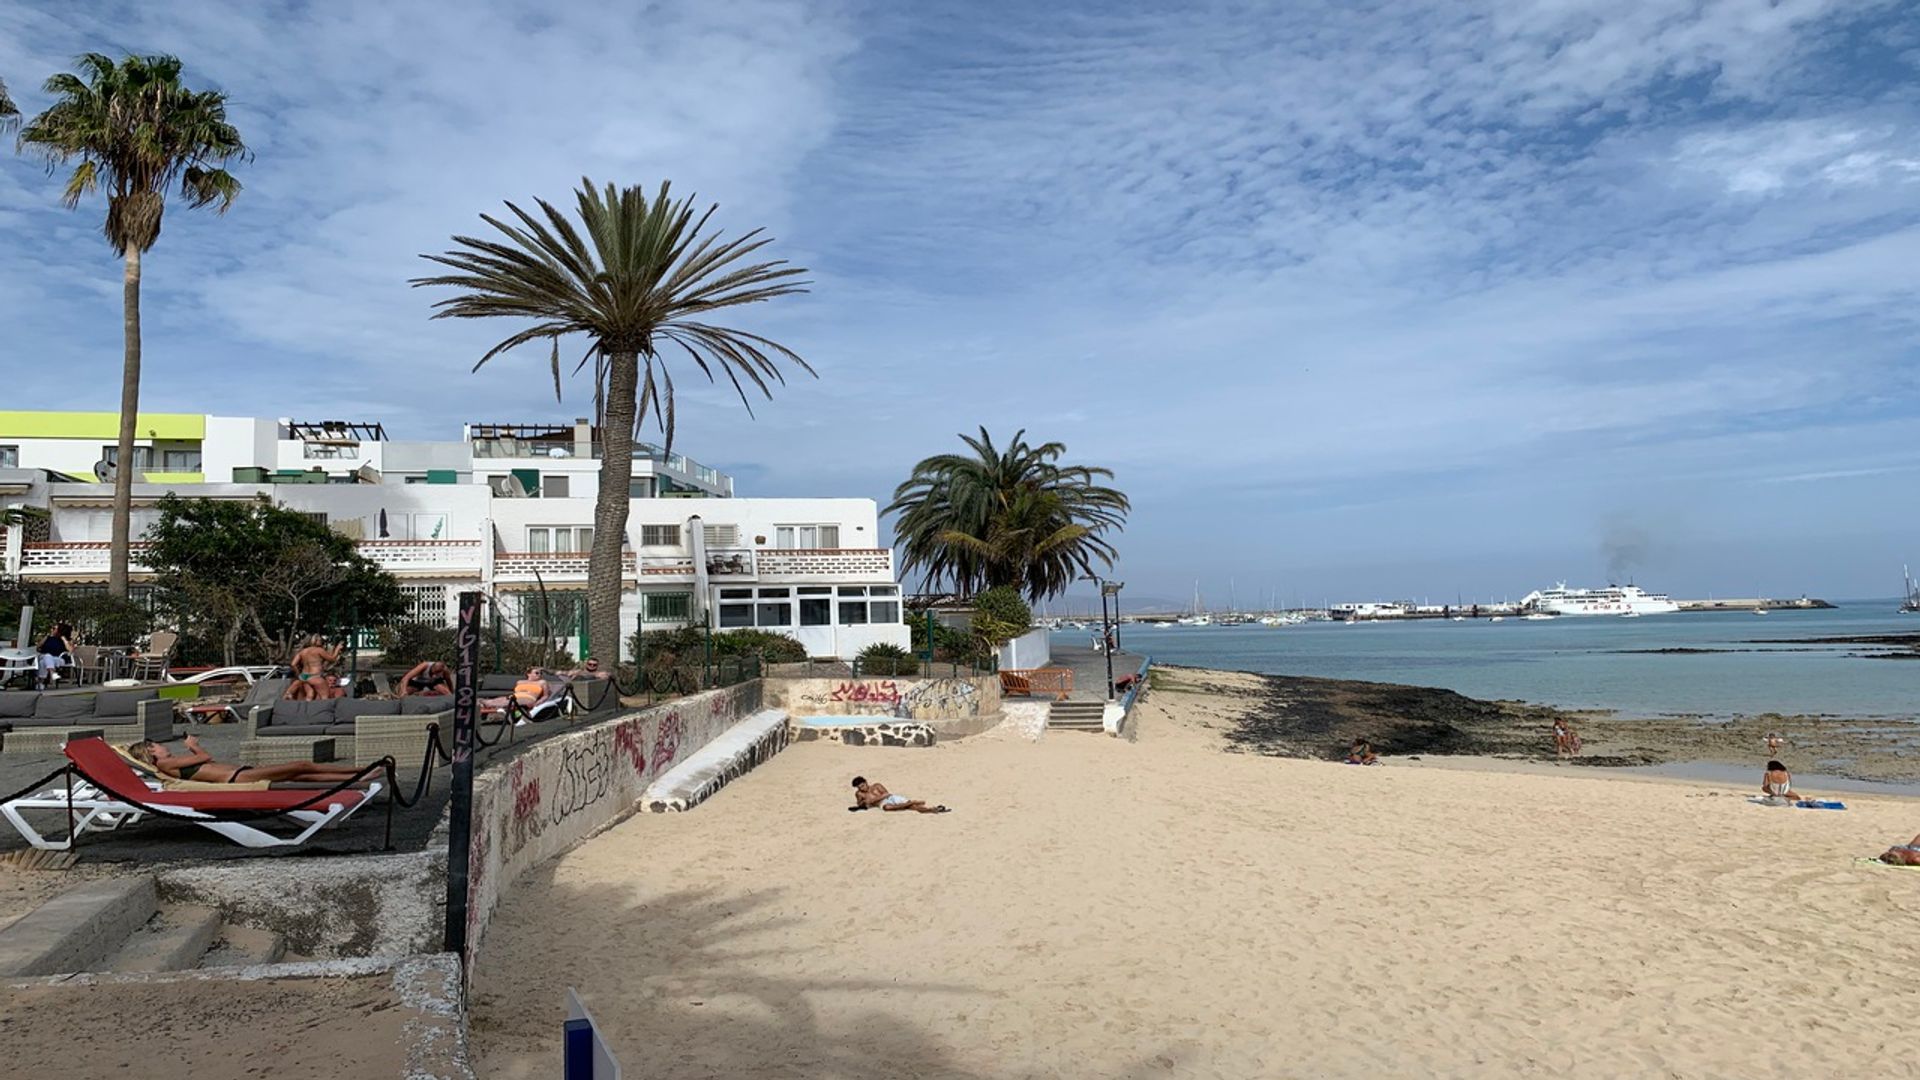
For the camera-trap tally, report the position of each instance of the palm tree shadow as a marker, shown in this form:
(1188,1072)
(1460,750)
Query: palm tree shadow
(665,985)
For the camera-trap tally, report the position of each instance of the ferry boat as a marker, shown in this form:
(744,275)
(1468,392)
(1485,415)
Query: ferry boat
(1612,600)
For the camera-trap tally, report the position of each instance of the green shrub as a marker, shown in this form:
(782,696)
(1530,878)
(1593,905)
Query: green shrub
(410,643)
(881,658)
(688,645)
(1000,615)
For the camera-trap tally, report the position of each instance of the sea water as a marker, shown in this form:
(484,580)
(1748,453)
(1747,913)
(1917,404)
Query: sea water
(1600,662)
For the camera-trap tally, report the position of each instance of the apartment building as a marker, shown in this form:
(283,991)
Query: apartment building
(507,509)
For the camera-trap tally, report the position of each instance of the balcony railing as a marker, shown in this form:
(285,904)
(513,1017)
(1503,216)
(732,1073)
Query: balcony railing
(525,566)
(832,564)
(89,557)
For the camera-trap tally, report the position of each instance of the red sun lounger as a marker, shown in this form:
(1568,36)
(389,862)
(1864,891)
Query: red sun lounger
(106,793)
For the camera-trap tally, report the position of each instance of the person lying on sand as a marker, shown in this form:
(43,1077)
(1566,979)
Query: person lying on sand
(867,795)
(197,764)
(1777,783)
(1361,753)
(1907,854)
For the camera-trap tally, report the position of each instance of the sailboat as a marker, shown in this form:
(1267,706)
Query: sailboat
(1198,617)
(1911,605)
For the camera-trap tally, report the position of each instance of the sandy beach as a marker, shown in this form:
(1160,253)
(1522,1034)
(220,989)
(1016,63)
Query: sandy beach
(1161,907)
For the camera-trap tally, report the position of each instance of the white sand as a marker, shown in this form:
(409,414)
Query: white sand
(1100,908)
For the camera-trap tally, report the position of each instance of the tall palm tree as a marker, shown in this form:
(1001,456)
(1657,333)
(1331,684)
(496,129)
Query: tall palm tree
(1006,517)
(9,112)
(137,130)
(634,277)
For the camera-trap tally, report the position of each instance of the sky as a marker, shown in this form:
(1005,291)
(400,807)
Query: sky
(1358,300)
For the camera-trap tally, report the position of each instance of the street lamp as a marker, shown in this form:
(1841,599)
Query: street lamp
(1109,632)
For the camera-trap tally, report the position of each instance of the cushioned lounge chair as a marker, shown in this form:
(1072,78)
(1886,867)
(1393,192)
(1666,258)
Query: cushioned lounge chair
(99,791)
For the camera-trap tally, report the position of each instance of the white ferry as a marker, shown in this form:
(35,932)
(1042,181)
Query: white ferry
(1612,600)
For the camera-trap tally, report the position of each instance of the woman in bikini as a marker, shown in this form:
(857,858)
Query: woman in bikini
(197,764)
(1777,783)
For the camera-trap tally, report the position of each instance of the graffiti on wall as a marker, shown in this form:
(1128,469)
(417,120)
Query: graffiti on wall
(867,693)
(939,699)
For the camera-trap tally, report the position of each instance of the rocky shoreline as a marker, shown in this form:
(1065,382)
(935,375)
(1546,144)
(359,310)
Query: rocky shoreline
(1300,717)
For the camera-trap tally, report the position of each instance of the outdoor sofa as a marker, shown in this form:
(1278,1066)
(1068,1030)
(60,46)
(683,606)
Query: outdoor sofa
(39,721)
(283,731)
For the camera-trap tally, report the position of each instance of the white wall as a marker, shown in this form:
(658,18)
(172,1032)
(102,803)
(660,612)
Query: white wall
(1031,650)
(236,442)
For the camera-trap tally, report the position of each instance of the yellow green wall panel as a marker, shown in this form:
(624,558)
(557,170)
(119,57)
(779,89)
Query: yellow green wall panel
(174,477)
(182,427)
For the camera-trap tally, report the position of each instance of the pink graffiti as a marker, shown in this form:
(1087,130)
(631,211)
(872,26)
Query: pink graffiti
(526,794)
(666,740)
(884,693)
(626,740)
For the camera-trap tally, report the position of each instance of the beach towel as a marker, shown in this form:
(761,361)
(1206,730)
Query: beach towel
(1885,865)
(1804,804)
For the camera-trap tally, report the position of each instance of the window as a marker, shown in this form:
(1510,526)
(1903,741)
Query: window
(863,604)
(554,615)
(318,517)
(667,607)
(142,456)
(816,611)
(9,457)
(722,536)
(180,460)
(659,536)
(791,537)
(426,604)
(773,615)
(640,489)
(735,616)
(559,539)
(554,485)
(773,609)
(736,594)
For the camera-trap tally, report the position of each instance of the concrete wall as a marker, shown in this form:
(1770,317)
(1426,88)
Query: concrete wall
(960,698)
(1031,650)
(570,787)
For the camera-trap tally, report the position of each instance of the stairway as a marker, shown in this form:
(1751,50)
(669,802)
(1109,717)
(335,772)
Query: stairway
(120,925)
(1077,714)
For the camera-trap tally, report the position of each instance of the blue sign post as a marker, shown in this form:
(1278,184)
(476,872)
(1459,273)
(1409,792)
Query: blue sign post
(586,1055)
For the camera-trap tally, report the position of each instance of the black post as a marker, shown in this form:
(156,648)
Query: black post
(1106,639)
(466,702)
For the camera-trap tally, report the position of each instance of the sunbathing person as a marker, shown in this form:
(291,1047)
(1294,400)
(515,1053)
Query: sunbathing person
(1777,783)
(310,679)
(537,689)
(1907,854)
(1361,753)
(866,796)
(589,670)
(197,764)
(428,678)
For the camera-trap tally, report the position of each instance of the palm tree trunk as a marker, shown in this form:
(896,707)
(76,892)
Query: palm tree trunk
(610,506)
(117,556)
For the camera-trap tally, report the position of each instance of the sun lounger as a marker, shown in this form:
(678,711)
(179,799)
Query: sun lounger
(99,791)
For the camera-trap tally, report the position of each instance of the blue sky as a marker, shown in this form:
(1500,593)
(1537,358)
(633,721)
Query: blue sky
(1357,299)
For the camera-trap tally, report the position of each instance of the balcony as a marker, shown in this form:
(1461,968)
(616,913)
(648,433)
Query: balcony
(527,567)
(410,558)
(826,564)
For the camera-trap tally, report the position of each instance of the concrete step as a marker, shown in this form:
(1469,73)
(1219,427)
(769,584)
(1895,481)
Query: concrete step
(78,928)
(244,946)
(173,940)
(1077,715)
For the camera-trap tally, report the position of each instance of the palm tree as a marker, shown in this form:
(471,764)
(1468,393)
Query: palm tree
(9,112)
(1006,517)
(634,277)
(136,129)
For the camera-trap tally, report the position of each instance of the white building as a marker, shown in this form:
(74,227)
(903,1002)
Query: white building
(507,510)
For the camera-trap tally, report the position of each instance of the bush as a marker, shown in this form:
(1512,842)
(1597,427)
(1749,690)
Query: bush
(950,644)
(688,645)
(98,619)
(410,643)
(881,658)
(1000,615)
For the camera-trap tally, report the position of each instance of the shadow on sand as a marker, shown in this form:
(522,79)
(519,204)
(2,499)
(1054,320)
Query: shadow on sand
(679,989)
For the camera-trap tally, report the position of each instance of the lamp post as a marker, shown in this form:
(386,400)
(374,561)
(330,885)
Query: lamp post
(1107,634)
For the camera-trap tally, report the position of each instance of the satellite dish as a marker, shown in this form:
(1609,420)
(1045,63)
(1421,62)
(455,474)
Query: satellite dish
(508,487)
(103,471)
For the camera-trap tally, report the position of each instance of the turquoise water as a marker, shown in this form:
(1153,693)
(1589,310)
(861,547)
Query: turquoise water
(1584,662)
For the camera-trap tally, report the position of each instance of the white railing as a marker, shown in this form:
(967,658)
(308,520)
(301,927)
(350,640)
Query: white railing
(83,557)
(522,566)
(834,564)
(91,557)
(450,555)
